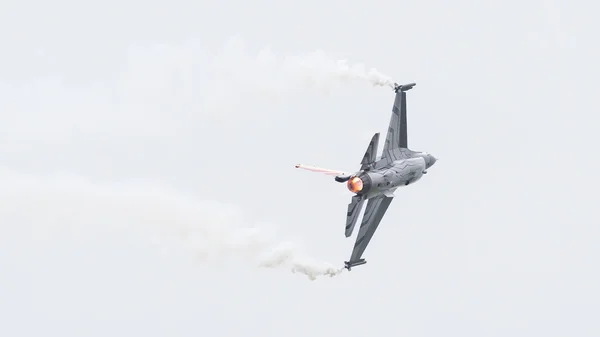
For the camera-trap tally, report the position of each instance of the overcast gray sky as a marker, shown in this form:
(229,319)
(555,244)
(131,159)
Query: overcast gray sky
(499,239)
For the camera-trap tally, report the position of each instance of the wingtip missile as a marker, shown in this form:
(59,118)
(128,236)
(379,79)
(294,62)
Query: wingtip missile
(403,87)
(349,264)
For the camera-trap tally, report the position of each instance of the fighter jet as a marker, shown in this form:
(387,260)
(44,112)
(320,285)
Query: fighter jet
(379,176)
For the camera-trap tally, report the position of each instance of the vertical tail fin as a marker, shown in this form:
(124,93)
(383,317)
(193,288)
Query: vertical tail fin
(371,153)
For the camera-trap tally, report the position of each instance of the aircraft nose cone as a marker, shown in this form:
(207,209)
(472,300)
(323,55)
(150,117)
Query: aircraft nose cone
(430,160)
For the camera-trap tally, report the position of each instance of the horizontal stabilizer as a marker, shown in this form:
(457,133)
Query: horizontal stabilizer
(354,209)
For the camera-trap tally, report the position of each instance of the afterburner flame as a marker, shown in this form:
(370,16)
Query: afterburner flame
(355,184)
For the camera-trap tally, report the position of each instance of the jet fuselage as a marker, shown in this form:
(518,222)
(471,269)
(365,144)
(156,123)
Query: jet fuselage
(373,182)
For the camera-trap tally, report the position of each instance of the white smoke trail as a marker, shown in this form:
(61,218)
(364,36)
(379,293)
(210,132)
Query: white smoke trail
(48,209)
(167,93)
(315,69)
(319,67)
(237,83)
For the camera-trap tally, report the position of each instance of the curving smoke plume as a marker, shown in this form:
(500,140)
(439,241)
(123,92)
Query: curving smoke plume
(40,209)
(163,97)
(315,69)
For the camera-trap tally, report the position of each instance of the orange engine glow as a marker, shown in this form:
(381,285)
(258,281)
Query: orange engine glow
(355,184)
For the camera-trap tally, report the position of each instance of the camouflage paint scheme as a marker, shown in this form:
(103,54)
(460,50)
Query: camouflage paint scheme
(379,177)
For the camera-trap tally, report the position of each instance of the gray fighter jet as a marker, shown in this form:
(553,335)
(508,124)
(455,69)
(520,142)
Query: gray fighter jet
(379,177)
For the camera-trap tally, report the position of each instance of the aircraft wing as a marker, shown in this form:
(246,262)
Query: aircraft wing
(374,212)
(397,135)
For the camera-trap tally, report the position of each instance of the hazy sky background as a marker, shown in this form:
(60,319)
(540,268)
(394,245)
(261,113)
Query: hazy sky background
(499,239)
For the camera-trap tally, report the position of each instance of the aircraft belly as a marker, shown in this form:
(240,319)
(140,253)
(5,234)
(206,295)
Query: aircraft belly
(414,171)
(399,173)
